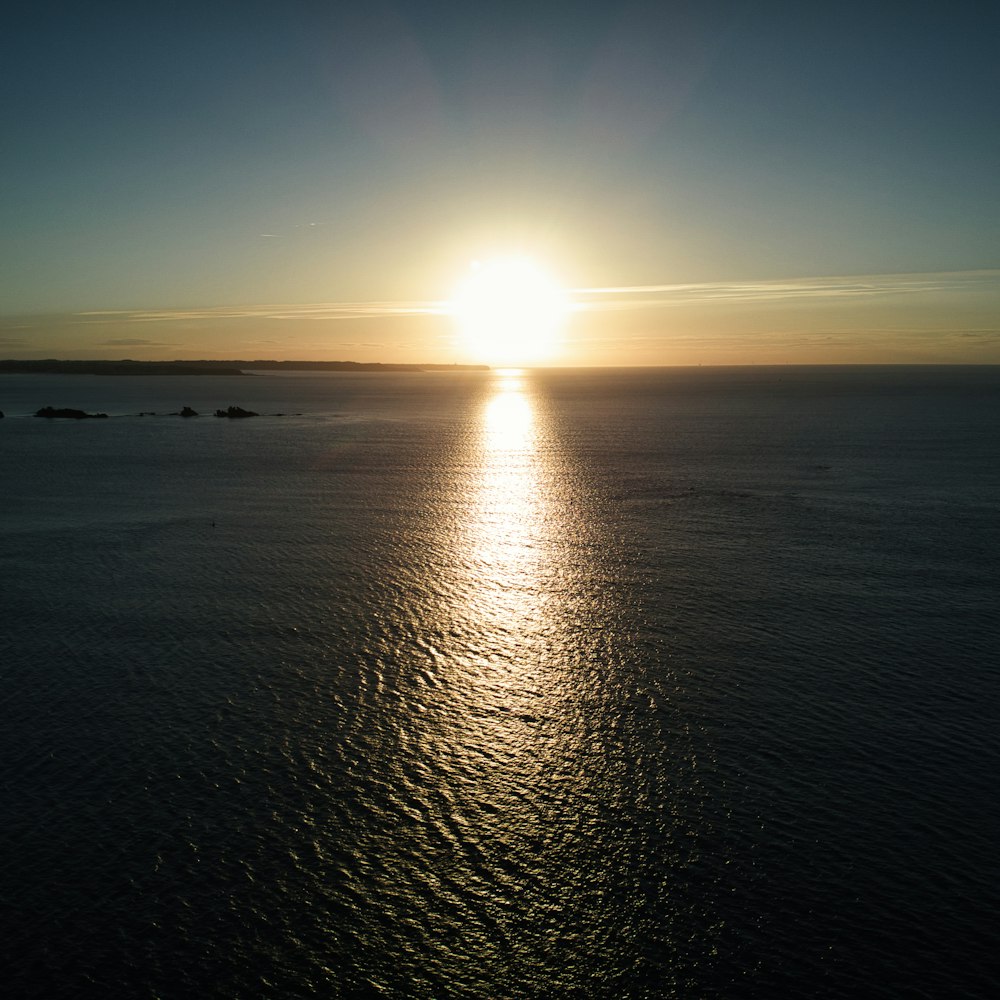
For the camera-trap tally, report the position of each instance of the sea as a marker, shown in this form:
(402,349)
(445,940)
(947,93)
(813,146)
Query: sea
(671,682)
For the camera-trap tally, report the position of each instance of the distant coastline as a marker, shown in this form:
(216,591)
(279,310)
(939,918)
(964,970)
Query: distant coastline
(53,366)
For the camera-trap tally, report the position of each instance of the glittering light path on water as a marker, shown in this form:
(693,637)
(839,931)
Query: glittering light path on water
(534,832)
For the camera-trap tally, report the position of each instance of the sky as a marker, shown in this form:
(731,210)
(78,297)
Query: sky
(714,183)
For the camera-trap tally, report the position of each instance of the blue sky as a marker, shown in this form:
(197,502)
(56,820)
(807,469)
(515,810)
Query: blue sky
(208,164)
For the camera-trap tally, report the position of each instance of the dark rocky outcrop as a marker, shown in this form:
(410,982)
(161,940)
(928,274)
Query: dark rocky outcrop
(236,413)
(50,412)
(188,412)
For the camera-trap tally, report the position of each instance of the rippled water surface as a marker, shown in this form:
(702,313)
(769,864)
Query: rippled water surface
(674,683)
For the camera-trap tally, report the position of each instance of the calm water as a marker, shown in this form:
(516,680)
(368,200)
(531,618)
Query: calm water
(585,684)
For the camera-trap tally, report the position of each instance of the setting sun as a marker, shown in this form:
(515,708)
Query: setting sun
(509,310)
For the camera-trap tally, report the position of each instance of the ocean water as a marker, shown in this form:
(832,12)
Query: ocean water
(663,683)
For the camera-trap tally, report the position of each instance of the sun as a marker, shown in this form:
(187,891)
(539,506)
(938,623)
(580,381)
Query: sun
(509,310)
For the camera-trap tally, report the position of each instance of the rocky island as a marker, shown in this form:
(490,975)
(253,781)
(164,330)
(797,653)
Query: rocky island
(51,413)
(236,413)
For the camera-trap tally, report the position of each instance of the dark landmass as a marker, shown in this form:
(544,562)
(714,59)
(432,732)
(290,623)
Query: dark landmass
(350,366)
(50,413)
(53,366)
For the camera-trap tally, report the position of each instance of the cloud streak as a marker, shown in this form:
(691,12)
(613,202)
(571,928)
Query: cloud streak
(132,342)
(815,291)
(311,311)
(828,288)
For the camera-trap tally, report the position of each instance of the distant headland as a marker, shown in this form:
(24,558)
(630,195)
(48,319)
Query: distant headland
(53,366)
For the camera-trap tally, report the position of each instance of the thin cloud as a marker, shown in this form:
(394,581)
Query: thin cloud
(986,336)
(596,299)
(322,311)
(131,342)
(307,226)
(832,288)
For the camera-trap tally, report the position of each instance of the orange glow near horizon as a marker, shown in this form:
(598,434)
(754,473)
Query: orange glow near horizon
(512,311)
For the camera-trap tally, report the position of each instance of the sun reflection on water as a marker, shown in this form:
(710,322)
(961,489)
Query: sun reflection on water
(508,533)
(515,765)
(509,421)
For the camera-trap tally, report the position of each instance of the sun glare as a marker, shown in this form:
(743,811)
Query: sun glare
(509,310)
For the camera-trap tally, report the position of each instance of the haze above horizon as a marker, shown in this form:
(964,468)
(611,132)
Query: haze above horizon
(701,183)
